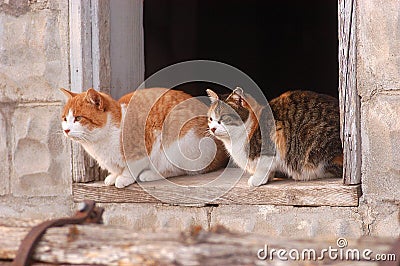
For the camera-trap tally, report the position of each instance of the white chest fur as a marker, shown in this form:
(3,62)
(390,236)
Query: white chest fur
(107,152)
(238,148)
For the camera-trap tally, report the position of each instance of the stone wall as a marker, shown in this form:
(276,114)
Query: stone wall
(378,84)
(35,170)
(34,61)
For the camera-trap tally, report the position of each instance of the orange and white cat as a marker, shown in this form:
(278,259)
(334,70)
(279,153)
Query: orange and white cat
(160,134)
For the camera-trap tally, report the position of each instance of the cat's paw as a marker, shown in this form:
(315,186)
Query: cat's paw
(149,175)
(256,181)
(110,180)
(123,181)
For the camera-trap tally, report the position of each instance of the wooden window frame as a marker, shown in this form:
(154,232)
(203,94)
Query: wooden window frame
(349,100)
(91,52)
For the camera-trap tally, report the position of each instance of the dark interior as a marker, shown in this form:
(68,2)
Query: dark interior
(282,45)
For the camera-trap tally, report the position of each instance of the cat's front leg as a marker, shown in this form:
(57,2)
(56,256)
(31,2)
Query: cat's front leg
(124,181)
(256,181)
(131,172)
(149,175)
(110,179)
(263,173)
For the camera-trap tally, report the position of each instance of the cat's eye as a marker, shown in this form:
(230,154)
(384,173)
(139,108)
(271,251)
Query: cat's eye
(211,119)
(219,122)
(65,119)
(78,118)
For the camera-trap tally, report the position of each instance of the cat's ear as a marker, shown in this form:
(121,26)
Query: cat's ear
(95,98)
(237,96)
(68,93)
(239,91)
(212,95)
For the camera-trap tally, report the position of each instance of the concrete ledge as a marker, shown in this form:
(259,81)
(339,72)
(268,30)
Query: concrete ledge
(226,190)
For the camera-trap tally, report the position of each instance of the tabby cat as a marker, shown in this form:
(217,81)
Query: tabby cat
(162,133)
(303,142)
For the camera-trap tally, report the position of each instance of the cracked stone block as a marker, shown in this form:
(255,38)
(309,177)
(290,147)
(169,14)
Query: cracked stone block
(40,154)
(34,54)
(395,150)
(150,217)
(36,207)
(387,224)
(289,221)
(4,163)
(378,45)
(380,145)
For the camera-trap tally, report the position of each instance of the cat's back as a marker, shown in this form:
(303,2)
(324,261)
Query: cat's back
(156,118)
(153,95)
(309,124)
(152,111)
(300,105)
(155,105)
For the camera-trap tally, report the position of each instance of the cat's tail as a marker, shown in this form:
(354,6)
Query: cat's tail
(335,167)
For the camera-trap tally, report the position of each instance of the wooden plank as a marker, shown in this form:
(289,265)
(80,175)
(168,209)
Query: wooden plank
(348,96)
(101,39)
(106,245)
(107,53)
(101,63)
(127,46)
(89,59)
(9,263)
(193,190)
(81,74)
(80,45)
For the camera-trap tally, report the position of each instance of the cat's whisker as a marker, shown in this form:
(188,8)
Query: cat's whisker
(57,132)
(85,140)
(84,137)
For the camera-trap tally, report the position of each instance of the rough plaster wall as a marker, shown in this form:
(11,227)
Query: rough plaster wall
(276,221)
(34,156)
(378,46)
(378,83)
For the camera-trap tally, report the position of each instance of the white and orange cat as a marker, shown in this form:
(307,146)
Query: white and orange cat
(160,134)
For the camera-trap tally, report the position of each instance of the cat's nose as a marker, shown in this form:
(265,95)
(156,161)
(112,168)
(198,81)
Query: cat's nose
(67,131)
(213,129)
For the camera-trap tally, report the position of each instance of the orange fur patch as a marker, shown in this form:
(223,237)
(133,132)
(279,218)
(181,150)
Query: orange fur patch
(338,160)
(280,140)
(253,128)
(168,112)
(166,118)
(93,116)
(285,95)
(126,98)
(254,112)
(156,111)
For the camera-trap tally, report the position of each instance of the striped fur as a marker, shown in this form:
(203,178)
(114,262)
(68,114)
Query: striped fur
(303,142)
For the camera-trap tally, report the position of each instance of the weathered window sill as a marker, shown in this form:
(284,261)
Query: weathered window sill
(325,192)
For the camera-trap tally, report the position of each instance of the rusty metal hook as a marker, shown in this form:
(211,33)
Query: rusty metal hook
(87,213)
